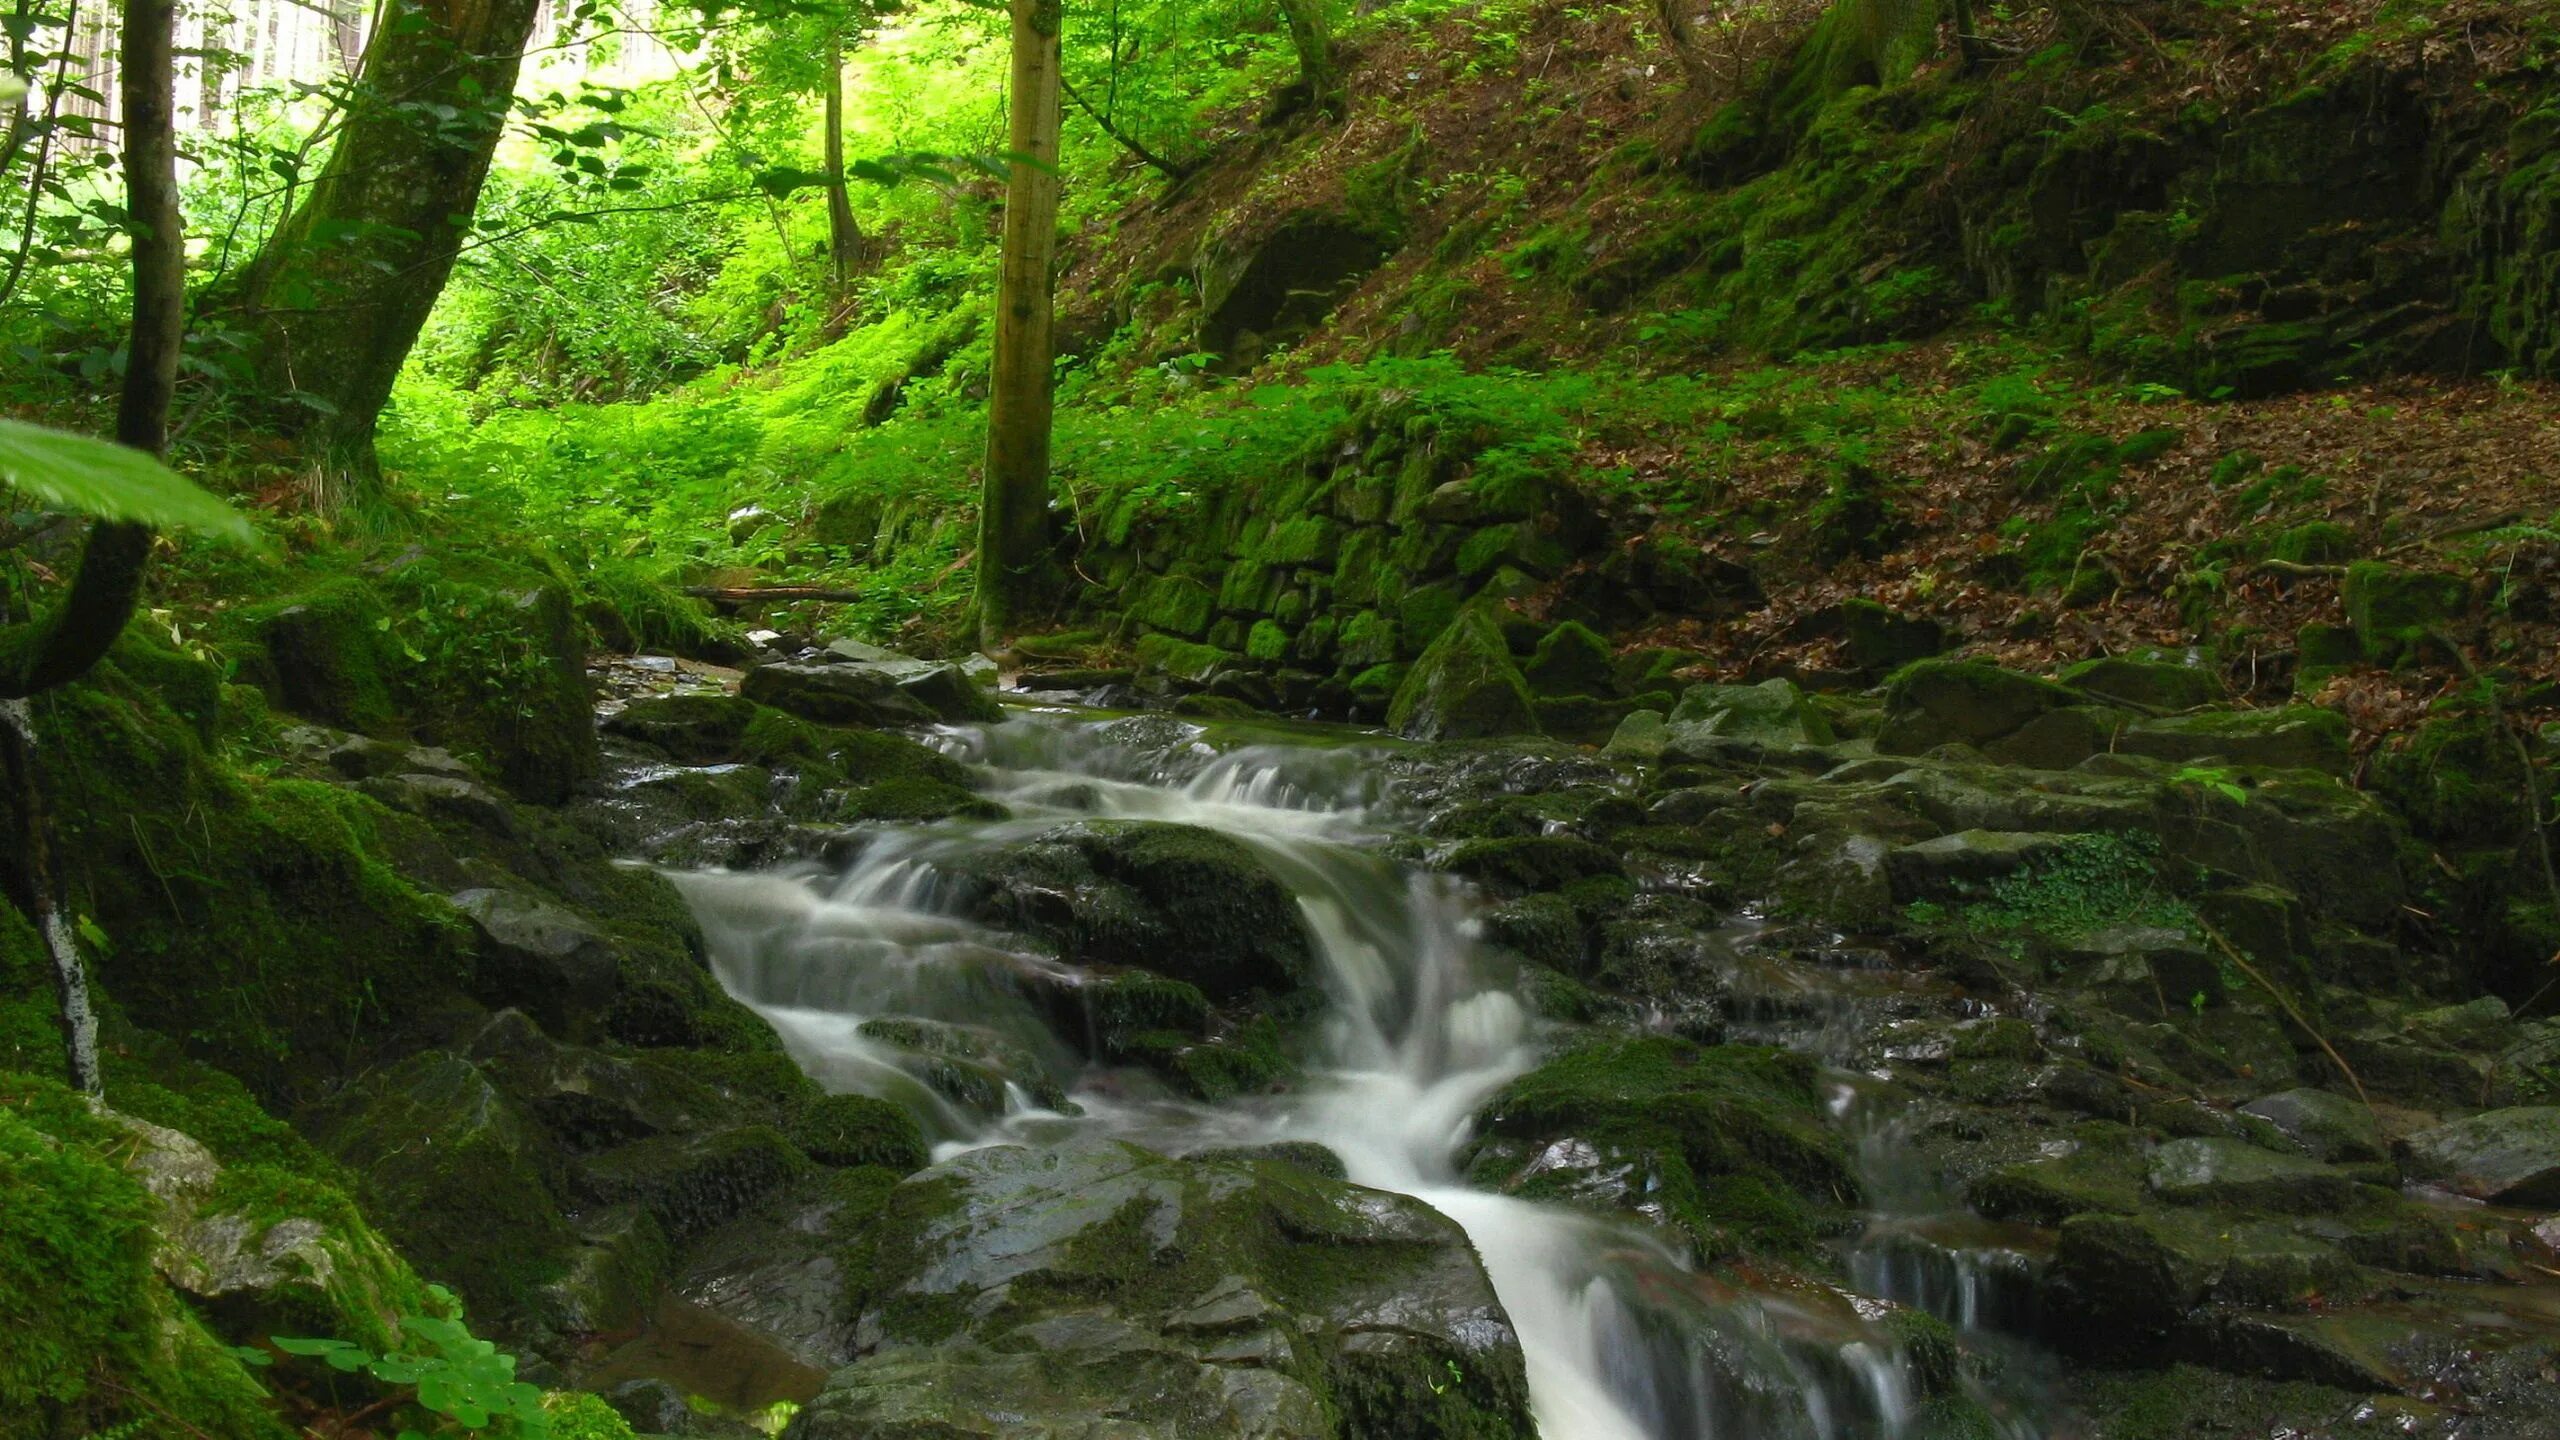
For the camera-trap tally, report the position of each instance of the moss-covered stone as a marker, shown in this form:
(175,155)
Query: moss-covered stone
(849,1130)
(97,1341)
(2393,610)
(1015,1287)
(1185,902)
(2169,685)
(1729,1139)
(1465,687)
(1571,659)
(1940,702)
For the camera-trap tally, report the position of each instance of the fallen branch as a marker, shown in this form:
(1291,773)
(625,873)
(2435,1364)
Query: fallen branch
(2286,1001)
(750,594)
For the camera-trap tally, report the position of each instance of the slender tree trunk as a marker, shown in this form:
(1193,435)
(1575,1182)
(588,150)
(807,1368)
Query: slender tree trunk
(1968,42)
(1312,34)
(1013,518)
(339,294)
(67,643)
(844,233)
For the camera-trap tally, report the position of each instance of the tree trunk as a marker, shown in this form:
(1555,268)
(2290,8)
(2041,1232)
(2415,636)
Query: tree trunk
(1673,18)
(340,292)
(844,233)
(1312,34)
(1968,42)
(68,642)
(1013,517)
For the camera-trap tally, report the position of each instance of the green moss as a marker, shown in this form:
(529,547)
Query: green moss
(2393,610)
(915,797)
(95,1339)
(1732,1136)
(858,1130)
(577,1415)
(256,921)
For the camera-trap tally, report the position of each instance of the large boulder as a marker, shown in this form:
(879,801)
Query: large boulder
(1464,687)
(1112,1291)
(879,693)
(1712,718)
(2510,1157)
(1723,1142)
(1175,899)
(467,1183)
(1963,702)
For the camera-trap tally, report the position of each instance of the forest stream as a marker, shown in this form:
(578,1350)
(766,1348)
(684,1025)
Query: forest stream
(1422,1026)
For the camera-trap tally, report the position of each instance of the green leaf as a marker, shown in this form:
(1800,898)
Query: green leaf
(112,482)
(398,1369)
(308,1347)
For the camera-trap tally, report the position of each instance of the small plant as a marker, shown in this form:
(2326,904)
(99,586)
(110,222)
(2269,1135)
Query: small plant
(447,1382)
(2214,778)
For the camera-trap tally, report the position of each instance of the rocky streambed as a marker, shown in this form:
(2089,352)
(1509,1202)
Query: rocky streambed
(1982,1056)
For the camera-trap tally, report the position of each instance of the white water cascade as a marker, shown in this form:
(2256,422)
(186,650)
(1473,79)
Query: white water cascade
(1621,1342)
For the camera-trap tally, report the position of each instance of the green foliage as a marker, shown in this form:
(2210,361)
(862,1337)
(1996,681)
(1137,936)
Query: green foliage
(2093,882)
(452,1382)
(112,482)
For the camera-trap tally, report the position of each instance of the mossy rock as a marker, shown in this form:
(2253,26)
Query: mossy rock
(78,1241)
(691,729)
(692,1183)
(2299,737)
(1571,659)
(2393,610)
(2169,685)
(850,1130)
(259,918)
(1730,1139)
(1529,864)
(470,1187)
(1941,702)
(913,798)
(1037,1288)
(2456,779)
(1190,904)
(1773,712)
(1465,687)
(1879,641)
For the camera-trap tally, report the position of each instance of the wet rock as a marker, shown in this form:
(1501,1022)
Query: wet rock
(2208,1171)
(1464,687)
(2510,1157)
(651,1407)
(460,1177)
(1026,1292)
(1719,1141)
(779,1269)
(691,1183)
(2098,1169)
(886,694)
(858,1130)
(691,729)
(540,957)
(1181,901)
(2329,1127)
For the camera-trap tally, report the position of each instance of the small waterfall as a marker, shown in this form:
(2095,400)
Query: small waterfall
(1622,1341)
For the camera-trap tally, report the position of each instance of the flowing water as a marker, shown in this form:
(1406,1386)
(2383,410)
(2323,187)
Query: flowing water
(1623,1342)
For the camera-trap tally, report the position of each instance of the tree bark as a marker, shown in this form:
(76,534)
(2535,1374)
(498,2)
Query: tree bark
(337,297)
(1312,34)
(1013,517)
(844,233)
(71,640)
(1673,18)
